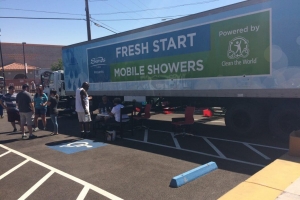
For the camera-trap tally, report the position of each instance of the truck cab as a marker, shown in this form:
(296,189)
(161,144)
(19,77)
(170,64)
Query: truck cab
(2,85)
(56,81)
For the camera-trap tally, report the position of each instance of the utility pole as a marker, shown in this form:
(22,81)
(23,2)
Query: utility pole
(3,74)
(25,65)
(88,26)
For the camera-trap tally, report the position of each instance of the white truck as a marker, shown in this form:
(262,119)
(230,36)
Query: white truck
(2,83)
(244,57)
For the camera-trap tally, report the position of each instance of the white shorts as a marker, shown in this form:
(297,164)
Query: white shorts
(82,117)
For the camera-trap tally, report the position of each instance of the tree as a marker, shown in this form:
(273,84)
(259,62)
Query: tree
(57,65)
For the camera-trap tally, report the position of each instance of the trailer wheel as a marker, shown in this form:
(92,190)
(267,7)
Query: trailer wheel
(243,119)
(283,120)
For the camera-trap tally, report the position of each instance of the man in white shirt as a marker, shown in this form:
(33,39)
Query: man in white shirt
(115,116)
(116,111)
(82,109)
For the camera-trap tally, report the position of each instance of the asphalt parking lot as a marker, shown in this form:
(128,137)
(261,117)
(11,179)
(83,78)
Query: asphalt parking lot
(140,166)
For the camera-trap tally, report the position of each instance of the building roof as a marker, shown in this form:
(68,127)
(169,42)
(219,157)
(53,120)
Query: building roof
(17,67)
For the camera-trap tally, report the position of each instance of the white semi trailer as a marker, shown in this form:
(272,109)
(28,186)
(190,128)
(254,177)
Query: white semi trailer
(244,57)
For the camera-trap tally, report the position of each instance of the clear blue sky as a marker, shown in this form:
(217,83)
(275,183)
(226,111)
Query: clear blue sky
(109,13)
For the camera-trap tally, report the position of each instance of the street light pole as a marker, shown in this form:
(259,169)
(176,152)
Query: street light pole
(24,60)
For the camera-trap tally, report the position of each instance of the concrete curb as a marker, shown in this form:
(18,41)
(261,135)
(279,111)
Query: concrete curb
(191,175)
(278,180)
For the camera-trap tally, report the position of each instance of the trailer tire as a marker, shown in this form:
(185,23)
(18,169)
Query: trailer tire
(243,119)
(283,120)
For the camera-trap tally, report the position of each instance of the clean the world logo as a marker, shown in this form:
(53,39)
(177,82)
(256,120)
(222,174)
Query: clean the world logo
(238,48)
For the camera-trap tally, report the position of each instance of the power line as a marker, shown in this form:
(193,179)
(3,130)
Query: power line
(42,18)
(135,19)
(124,19)
(102,26)
(129,8)
(116,9)
(132,11)
(42,11)
(147,7)
(160,8)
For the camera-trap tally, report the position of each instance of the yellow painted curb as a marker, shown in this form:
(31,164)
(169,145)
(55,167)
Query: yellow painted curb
(251,191)
(269,182)
(278,175)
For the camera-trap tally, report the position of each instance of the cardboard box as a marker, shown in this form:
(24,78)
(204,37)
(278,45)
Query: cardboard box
(294,149)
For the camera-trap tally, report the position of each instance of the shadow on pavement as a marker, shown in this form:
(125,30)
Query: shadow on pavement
(70,127)
(61,142)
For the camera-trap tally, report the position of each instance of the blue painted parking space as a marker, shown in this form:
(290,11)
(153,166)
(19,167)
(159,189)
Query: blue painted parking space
(76,146)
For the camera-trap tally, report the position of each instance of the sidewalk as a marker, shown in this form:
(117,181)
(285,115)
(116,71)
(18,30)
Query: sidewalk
(279,180)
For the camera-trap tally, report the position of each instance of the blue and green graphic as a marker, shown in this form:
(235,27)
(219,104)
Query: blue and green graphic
(232,47)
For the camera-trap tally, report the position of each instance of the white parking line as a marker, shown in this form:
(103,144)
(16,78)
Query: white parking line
(146,135)
(83,193)
(73,178)
(13,169)
(4,154)
(175,141)
(217,121)
(247,143)
(38,184)
(197,152)
(221,155)
(279,148)
(215,148)
(256,151)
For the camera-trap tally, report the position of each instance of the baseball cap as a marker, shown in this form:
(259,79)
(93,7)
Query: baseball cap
(25,86)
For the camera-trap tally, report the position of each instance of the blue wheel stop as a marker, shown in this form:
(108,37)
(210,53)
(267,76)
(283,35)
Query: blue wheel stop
(193,174)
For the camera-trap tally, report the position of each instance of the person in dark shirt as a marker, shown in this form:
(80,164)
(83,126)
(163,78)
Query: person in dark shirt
(1,107)
(26,109)
(105,106)
(8,101)
(52,103)
(1,112)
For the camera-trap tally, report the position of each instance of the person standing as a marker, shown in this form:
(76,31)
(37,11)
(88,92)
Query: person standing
(26,109)
(40,104)
(52,103)
(82,109)
(33,87)
(1,107)
(8,101)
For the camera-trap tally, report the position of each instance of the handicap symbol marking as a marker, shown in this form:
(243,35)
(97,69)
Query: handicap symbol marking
(76,146)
